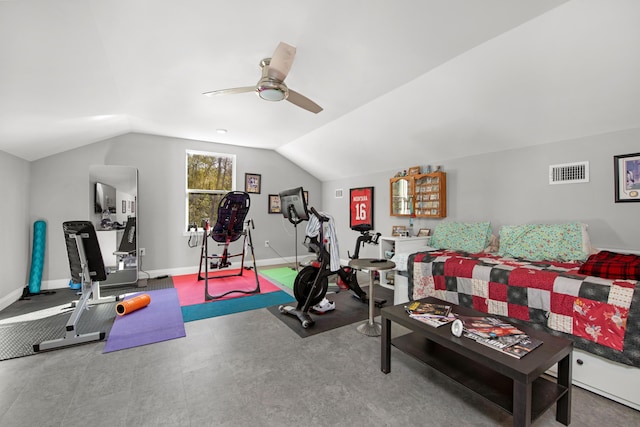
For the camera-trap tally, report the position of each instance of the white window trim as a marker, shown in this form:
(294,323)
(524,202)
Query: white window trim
(187,191)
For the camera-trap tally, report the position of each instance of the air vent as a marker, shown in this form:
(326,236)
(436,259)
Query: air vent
(338,193)
(569,173)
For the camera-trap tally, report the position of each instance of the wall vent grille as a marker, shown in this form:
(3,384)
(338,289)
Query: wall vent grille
(569,173)
(338,193)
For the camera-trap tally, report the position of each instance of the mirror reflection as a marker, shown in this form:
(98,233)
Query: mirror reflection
(401,198)
(113,199)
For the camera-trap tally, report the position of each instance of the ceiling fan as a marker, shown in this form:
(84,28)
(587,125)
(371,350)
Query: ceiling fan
(271,85)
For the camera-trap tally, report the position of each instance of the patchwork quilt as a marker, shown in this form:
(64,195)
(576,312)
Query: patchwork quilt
(601,316)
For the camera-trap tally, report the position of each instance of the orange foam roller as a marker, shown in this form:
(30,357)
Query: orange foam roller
(132,304)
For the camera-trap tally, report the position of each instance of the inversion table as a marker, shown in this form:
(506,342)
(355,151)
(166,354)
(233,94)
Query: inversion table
(230,226)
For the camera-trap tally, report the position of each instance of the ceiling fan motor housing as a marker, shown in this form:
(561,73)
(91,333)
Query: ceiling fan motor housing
(271,90)
(268,87)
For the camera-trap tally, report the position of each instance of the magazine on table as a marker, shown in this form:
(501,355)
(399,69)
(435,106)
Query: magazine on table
(432,314)
(498,343)
(428,308)
(488,327)
(522,348)
(516,346)
(435,321)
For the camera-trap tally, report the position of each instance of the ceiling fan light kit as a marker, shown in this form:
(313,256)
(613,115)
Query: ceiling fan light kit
(271,86)
(272,91)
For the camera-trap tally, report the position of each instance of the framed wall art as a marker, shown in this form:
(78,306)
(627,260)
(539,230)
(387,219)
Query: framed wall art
(252,183)
(399,230)
(424,232)
(414,170)
(361,208)
(627,177)
(274,204)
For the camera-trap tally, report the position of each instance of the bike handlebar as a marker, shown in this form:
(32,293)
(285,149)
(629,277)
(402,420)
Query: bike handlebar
(320,217)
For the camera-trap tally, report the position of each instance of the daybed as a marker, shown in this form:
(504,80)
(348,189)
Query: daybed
(549,277)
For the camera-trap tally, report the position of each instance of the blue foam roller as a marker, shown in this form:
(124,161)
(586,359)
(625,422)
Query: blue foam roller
(37,256)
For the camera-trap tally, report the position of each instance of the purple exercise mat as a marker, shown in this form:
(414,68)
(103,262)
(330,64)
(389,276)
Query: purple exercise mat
(161,320)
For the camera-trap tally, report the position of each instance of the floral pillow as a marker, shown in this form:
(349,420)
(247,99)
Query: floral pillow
(460,236)
(544,242)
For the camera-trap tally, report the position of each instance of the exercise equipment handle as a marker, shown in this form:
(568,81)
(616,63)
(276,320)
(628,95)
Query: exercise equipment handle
(374,239)
(320,217)
(365,237)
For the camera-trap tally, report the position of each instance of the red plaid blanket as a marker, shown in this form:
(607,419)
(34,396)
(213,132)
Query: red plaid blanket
(612,265)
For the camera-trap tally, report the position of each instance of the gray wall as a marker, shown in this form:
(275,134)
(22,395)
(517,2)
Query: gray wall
(16,227)
(63,190)
(511,187)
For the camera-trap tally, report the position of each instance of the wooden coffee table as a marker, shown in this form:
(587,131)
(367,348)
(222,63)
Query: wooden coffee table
(515,385)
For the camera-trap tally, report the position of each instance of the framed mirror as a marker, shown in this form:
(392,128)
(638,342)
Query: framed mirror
(113,193)
(401,196)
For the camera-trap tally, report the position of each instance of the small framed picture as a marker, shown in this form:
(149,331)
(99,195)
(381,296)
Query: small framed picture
(133,207)
(252,183)
(124,206)
(274,204)
(627,177)
(414,170)
(424,232)
(399,230)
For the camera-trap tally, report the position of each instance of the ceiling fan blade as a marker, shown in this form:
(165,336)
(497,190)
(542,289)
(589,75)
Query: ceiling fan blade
(231,91)
(281,61)
(303,102)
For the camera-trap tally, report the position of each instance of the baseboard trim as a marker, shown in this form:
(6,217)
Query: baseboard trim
(9,299)
(49,285)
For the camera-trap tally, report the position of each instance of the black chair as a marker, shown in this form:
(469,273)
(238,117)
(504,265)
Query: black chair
(87,267)
(230,226)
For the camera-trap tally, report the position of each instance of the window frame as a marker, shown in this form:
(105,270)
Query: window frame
(189,191)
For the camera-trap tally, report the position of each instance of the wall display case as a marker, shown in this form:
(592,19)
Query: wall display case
(430,195)
(420,195)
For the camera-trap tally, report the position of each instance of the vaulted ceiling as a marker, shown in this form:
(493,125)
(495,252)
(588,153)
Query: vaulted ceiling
(401,82)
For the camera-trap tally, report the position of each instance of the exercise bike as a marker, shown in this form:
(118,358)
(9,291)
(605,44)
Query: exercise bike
(312,282)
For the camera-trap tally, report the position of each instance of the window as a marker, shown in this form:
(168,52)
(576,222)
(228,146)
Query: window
(209,177)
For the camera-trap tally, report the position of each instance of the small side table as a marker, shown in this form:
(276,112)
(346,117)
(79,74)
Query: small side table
(370,327)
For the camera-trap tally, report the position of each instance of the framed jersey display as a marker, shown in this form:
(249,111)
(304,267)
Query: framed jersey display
(361,208)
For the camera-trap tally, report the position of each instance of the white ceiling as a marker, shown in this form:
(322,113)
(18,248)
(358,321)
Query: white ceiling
(445,78)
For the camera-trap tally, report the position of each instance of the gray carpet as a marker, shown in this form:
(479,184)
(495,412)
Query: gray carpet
(17,338)
(249,369)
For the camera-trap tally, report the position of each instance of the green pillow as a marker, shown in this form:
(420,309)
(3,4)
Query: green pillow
(460,236)
(542,242)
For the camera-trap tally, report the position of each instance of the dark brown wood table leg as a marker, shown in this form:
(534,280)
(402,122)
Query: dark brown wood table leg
(563,406)
(385,340)
(522,394)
